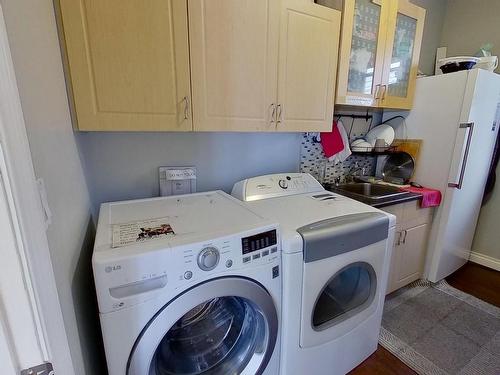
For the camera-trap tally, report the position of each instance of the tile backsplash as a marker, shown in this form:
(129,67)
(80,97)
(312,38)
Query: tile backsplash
(313,160)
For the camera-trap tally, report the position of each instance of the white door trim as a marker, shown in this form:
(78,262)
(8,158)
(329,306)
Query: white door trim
(22,327)
(6,355)
(34,253)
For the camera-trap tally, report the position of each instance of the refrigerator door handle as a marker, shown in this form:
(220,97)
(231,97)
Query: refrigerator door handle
(465,125)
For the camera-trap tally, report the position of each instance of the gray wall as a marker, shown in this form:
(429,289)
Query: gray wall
(487,237)
(35,51)
(470,24)
(125,165)
(433,27)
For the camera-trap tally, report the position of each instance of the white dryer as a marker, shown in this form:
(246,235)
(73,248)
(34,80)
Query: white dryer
(188,285)
(336,257)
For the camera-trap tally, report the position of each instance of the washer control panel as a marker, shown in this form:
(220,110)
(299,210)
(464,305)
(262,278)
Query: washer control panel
(248,249)
(130,280)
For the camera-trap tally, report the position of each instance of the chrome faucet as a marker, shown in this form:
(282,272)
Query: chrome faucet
(349,177)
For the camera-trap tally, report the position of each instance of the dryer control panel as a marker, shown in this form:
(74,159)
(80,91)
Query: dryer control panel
(275,185)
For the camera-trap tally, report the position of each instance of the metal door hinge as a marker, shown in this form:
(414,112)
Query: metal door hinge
(43,369)
(47,214)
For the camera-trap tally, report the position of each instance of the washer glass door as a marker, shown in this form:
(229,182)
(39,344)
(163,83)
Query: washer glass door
(232,331)
(218,336)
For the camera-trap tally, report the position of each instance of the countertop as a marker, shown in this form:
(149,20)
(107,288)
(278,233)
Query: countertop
(379,203)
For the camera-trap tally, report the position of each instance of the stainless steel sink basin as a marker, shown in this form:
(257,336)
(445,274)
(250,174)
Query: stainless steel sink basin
(368,191)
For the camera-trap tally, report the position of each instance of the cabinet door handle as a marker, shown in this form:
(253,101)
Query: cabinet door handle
(273,112)
(186,108)
(377,89)
(404,238)
(458,185)
(384,92)
(280,111)
(399,239)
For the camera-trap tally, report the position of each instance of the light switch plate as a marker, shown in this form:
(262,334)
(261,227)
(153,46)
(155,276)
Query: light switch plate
(177,180)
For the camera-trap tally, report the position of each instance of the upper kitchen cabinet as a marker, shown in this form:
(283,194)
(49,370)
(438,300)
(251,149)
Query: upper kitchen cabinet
(362,51)
(309,41)
(128,64)
(263,65)
(404,37)
(267,65)
(380,48)
(234,57)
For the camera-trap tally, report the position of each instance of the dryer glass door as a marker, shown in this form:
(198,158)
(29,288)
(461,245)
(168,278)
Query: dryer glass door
(349,291)
(231,330)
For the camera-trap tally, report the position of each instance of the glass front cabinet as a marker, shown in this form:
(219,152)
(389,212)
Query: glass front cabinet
(379,53)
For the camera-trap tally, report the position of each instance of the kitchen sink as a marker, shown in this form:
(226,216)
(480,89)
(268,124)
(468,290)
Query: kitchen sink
(368,191)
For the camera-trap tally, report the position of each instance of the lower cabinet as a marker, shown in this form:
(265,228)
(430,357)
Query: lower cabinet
(410,244)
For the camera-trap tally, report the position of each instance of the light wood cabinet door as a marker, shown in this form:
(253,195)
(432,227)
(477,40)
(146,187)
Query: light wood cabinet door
(128,63)
(409,252)
(362,51)
(307,66)
(234,64)
(391,282)
(404,39)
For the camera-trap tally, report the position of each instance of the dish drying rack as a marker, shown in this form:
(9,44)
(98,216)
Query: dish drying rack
(375,150)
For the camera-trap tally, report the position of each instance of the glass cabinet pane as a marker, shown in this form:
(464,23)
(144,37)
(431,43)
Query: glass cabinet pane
(402,53)
(352,289)
(363,47)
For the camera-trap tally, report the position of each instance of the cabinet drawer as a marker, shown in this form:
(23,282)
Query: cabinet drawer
(414,215)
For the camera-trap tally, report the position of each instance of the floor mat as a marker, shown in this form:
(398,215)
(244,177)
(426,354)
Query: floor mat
(437,329)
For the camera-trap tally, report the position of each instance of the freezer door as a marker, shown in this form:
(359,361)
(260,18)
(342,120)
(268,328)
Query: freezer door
(475,139)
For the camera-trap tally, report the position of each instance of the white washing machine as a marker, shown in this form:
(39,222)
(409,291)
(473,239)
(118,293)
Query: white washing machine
(188,285)
(336,257)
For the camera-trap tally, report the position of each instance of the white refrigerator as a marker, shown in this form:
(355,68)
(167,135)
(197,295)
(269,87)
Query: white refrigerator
(456,117)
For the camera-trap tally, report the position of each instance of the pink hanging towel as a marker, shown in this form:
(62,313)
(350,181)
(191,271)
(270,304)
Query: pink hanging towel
(332,141)
(430,197)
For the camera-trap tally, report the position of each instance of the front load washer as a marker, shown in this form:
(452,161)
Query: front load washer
(336,257)
(188,285)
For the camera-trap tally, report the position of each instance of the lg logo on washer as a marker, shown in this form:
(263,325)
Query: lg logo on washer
(108,269)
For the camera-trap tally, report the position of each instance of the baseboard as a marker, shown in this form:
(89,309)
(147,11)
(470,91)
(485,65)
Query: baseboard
(485,260)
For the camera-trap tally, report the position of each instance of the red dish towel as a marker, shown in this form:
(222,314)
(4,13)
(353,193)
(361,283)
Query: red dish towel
(430,197)
(332,141)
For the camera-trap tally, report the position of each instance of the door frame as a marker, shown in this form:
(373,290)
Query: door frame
(33,252)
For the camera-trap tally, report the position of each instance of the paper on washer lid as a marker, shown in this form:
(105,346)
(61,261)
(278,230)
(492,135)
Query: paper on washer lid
(141,231)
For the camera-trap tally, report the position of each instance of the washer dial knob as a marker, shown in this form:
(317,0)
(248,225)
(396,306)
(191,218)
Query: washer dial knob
(208,258)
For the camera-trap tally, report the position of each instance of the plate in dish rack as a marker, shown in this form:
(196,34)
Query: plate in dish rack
(384,131)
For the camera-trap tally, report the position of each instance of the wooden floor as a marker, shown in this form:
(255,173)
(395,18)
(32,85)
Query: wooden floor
(472,278)
(481,282)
